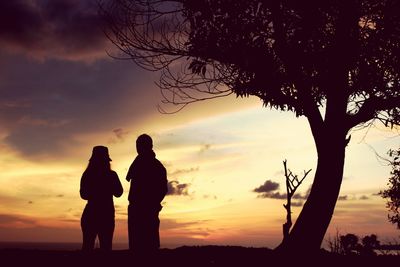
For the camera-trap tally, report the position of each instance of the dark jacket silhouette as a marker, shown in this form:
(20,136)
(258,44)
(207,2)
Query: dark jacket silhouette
(98,186)
(148,179)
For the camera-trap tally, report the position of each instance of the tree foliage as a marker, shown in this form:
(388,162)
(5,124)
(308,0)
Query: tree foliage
(294,56)
(349,244)
(392,194)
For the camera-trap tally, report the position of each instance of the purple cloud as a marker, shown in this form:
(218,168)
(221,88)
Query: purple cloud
(269,190)
(176,188)
(67,29)
(267,187)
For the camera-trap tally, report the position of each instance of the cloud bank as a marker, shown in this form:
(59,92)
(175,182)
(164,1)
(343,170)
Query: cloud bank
(270,190)
(67,29)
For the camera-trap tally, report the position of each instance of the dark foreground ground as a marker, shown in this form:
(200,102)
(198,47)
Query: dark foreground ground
(187,256)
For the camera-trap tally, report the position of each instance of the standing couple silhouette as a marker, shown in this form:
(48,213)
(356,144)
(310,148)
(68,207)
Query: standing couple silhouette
(99,184)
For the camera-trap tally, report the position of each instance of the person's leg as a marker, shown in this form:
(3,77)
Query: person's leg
(140,230)
(149,231)
(154,232)
(157,230)
(88,231)
(130,226)
(106,235)
(88,240)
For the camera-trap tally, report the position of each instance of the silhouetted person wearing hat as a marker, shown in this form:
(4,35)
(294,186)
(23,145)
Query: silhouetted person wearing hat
(148,179)
(98,186)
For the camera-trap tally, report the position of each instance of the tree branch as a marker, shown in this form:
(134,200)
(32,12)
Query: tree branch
(370,109)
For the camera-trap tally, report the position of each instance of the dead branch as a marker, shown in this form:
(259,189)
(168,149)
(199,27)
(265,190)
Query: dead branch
(292,183)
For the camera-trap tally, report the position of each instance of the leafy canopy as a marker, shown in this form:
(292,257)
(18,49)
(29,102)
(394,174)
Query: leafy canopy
(392,194)
(294,55)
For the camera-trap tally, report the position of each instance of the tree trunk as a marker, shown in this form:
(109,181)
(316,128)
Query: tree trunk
(310,227)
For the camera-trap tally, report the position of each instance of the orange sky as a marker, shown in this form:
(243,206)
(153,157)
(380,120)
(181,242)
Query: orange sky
(221,158)
(62,95)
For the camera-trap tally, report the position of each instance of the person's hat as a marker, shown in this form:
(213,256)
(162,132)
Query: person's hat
(100,152)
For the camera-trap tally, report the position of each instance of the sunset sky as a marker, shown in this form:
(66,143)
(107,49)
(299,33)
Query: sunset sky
(61,94)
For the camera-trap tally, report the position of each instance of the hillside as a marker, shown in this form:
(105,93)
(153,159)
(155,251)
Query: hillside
(187,256)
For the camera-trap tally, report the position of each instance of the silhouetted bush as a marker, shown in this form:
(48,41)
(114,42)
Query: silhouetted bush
(350,244)
(393,192)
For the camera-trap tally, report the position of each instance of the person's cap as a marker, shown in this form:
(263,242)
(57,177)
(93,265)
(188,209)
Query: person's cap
(100,152)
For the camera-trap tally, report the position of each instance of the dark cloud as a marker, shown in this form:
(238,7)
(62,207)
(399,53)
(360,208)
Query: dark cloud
(299,196)
(32,140)
(176,188)
(188,228)
(6,219)
(278,195)
(121,210)
(120,133)
(52,28)
(346,197)
(210,196)
(169,224)
(204,148)
(70,220)
(273,195)
(269,190)
(297,203)
(43,107)
(267,187)
(200,232)
(7,200)
(41,234)
(119,136)
(184,171)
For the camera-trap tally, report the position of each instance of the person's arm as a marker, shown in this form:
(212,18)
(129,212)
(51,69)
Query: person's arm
(163,184)
(129,175)
(165,181)
(117,186)
(84,190)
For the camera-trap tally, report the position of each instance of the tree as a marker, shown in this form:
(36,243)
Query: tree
(369,243)
(334,62)
(349,244)
(393,192)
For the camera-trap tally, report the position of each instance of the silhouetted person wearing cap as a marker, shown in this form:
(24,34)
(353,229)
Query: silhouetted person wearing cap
(148,179)
(98,186)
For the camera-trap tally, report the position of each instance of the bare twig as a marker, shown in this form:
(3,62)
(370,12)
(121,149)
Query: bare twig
(292,183)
